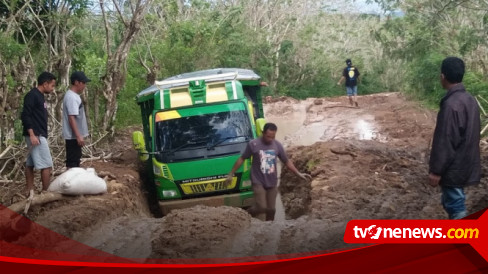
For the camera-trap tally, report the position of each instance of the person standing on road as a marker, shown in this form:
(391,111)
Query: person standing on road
(351,75)
(34,122)
(75,127)
(264,175)
(455,155)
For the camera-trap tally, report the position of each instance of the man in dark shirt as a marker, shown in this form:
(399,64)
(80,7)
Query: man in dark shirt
(264,173)
(455,155)
(34,121)
(351,75)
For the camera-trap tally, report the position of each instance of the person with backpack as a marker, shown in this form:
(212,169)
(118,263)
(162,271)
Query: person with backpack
(351,75)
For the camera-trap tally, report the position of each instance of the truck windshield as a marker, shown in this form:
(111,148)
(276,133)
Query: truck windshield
(203,131)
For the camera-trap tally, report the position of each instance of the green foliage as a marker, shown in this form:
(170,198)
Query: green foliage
(393,54)
(9,48)
(128,112)
(423,79)
(476,84)
(312,163)
(428,32)
(18,131)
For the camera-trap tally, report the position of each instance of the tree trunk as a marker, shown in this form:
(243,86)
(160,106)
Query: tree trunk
(3,103)
(114,79)
(22,73)
(276,73)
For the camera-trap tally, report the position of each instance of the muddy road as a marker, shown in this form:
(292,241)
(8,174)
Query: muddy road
(367,163)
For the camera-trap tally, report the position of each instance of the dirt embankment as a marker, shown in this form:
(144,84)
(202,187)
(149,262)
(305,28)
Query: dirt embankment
(367,163)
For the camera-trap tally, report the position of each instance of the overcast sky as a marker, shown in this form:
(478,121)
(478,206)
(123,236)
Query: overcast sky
(368,8)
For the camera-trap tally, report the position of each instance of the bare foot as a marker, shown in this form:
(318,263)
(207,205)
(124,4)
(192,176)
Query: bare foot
(25,192)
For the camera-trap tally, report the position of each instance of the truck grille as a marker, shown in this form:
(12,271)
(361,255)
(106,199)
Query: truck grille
(208,186)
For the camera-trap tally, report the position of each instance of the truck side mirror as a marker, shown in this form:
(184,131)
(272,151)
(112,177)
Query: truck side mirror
(259,126)
(139,145)
(150,125)
(138,141)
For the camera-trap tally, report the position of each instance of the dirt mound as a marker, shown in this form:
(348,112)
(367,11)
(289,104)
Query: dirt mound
(196,231)
(361,180)
(124,198)
(364,180)
(309,234)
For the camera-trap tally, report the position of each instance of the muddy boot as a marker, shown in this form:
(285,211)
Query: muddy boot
(356,103)
(270,214)
(256,210)
(350,101)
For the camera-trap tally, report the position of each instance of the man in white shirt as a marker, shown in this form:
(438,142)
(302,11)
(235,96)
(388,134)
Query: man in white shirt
(75,127)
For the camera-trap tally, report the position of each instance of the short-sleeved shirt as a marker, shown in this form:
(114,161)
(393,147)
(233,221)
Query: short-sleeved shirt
(34,113)
(72,105)
(351,74)
(264,162)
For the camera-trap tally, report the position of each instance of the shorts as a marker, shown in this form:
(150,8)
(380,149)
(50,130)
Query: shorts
(352,91)
(39,156)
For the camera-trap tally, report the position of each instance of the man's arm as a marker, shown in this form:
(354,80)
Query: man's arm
(443,150)
(236,166)
(26,118)
(33,138)
(289,164)
(340,80)
(245,154)
(74,127)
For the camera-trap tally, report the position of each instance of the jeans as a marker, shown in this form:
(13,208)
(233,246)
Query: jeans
(352,91)
(453,199)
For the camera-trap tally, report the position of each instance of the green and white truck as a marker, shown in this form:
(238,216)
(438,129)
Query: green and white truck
(195,127)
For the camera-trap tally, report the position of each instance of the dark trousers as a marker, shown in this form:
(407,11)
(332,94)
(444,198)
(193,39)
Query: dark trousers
(73,153)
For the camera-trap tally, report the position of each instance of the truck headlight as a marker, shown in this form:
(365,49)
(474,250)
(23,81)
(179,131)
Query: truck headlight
(246,183)
(169,193)
(156,170)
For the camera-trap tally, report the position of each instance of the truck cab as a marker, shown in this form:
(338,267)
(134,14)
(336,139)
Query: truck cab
(195,127)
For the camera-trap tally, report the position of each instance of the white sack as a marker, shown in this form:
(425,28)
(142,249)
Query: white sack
(78,181)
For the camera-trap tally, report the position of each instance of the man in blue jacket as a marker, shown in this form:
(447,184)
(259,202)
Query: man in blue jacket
(455,155)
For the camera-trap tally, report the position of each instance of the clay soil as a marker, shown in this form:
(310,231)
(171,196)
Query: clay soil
(367,163)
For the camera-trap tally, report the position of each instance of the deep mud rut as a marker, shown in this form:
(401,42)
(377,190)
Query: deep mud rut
(367,163)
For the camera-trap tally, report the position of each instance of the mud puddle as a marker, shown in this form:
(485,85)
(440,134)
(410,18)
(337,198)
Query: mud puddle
(303,123)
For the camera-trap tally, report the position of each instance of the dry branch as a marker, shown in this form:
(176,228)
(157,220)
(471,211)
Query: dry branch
(5,151)
(343,152)
(481,107)
(42,198)
(102,157)
(484,129)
